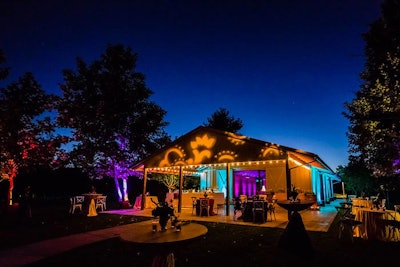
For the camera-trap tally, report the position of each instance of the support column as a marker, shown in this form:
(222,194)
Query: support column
(228,188)
(288,181)
(144,189)
(180,189)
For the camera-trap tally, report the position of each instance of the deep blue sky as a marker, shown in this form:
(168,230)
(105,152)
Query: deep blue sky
(285,67)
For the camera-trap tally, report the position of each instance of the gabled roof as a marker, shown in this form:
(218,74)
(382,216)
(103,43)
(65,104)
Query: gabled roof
(205,145)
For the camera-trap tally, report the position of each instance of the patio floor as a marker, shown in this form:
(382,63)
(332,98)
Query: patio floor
(314,220)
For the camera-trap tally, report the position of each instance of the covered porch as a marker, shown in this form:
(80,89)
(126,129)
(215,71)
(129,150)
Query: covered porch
(233,165)
(314,220)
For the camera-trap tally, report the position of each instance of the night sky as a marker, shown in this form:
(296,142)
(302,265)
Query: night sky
(284,67)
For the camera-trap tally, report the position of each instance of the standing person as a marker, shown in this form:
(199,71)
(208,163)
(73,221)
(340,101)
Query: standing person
(26,202)
(93,190)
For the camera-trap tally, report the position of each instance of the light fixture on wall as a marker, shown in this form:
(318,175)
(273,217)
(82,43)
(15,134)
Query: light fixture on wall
(263,188)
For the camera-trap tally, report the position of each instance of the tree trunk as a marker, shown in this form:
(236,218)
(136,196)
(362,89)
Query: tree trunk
(10,190)
(118,189)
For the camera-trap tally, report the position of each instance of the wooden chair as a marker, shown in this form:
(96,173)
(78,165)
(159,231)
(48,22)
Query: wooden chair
(262,197)
(271,209)
(194,204)
(258,209)
(204,206)
(101,203)
(218,206)
(76,202)
(347,226)
(347,222)
(343,212)
(392,225)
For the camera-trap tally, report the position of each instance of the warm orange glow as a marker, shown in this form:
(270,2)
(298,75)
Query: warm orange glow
(199,156)
(206,141)
(270,151)
(179,163)
(299,164)
(8,172)
(236,139)
(226,155)
(176,150)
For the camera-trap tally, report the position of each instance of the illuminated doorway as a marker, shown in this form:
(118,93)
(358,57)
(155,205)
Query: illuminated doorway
(248,182)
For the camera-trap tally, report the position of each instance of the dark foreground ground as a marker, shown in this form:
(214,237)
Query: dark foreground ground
(223,245)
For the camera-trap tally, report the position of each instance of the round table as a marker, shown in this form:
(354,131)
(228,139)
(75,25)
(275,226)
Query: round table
(295,206)
(142,233)
(90,205)
(295,237)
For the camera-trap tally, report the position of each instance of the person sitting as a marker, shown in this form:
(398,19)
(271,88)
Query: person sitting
(237,209)
(375,202)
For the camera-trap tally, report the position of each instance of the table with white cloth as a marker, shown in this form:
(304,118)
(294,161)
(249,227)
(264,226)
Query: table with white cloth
(148,204)
(90,205)
(360,203)
(371,228)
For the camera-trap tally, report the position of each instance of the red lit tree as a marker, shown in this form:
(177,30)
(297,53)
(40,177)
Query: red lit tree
(27,137)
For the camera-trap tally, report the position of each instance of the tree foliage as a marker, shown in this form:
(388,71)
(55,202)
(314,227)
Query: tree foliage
(357,178)
(3,70)
(170,181)
(222,120)
(374,113)
(27,136)
(28,140)
(106,104)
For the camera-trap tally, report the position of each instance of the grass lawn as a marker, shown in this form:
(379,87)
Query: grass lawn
(223,245)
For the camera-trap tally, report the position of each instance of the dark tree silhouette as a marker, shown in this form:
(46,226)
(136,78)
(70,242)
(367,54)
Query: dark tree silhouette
(222,120)
(106,104)
(28,140)
(374,113)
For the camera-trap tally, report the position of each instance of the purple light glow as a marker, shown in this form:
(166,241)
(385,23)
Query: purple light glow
(245,182)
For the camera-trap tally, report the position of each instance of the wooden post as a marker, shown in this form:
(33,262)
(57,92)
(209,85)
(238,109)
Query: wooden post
(227,204)
(288,180)
(180,189)
(144,189)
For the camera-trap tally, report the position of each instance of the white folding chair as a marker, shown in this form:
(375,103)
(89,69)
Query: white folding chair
(76,202)
(101,203)
(194,204)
